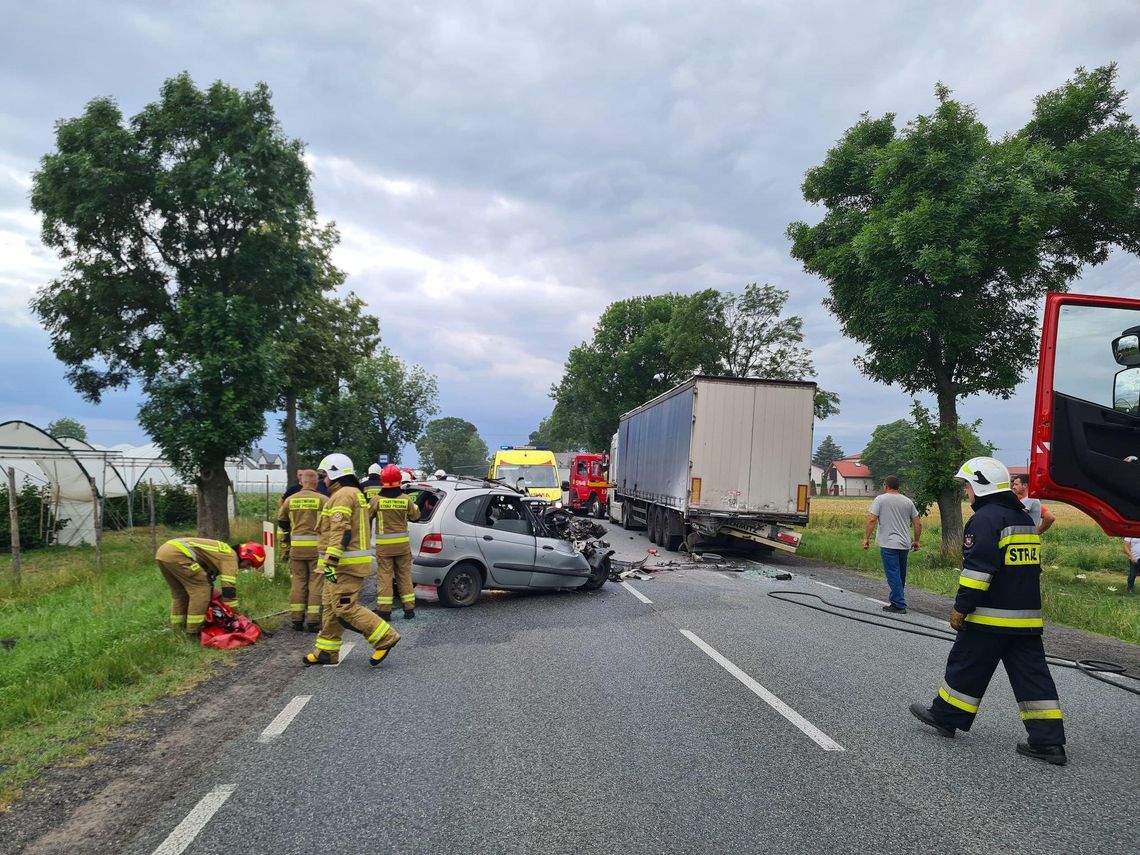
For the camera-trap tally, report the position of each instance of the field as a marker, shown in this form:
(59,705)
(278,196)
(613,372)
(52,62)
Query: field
(1085,571)
(83,649)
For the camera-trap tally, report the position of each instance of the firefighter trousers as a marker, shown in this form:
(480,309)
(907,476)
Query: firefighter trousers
(189,594)
(398,568)
(305,595)
(341,609)
(971,664)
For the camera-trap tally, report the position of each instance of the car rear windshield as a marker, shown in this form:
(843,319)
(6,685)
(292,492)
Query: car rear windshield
(427,501)
(537,475)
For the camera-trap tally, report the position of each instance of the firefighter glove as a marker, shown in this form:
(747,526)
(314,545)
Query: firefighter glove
(957,620)
(229,592)
(330,568)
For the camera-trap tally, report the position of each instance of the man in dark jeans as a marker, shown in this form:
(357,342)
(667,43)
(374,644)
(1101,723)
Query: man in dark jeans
(1132,550)
(896,517)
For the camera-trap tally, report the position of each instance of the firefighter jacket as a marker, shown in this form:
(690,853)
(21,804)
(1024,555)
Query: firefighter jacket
(344,531)
(371,487)
(392,509)
(999,589)
(215,558)
(300,516)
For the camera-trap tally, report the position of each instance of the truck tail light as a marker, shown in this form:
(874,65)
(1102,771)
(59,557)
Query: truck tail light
(788,537)
(432,544)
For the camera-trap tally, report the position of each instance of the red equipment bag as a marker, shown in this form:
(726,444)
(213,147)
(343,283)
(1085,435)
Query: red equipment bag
(224,629)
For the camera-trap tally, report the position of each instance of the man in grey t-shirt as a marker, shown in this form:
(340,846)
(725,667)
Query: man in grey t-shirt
(1042,517)
(896,517)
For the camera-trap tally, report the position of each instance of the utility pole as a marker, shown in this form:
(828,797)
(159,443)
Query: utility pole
(14,517)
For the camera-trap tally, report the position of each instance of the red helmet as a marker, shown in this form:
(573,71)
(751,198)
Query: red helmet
(391,476)
(254,553)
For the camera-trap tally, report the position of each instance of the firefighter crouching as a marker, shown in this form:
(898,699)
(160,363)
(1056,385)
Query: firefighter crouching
(346,561)
(191,564)
(997,615)
(392,508)
(299,519)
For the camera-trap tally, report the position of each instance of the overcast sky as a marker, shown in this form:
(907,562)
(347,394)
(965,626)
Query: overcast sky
(501,171)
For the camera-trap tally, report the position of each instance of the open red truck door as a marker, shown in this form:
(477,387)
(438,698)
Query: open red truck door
(1086,422)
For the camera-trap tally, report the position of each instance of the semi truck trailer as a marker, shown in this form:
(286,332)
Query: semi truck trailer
(716,460)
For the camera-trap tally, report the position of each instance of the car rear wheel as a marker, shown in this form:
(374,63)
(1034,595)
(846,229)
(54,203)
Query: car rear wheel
(598,576)
(461,586)
(594,509)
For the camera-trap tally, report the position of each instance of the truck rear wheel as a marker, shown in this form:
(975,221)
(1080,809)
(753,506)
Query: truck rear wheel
(659,523)
(651,523)
(672,530)
(594,508)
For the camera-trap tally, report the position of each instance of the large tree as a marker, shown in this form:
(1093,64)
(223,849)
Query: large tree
(453,445)
(827,452)
(67,426)
(382,406)
(319,350)
(938,243)
(188,237)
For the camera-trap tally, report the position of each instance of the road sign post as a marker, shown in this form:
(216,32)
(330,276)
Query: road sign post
(269,541)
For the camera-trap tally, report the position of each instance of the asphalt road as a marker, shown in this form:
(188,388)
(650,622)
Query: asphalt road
(600,723)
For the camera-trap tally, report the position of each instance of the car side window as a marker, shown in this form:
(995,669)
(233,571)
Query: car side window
(506,513)
(469,511)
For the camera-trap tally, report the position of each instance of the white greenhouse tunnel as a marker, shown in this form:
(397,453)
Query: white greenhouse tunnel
(68,466)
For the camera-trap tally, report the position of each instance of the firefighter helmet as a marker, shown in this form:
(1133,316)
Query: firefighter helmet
(254,553)
(336,466)
(374,469)
(985,474)
(390,477)
(405,476)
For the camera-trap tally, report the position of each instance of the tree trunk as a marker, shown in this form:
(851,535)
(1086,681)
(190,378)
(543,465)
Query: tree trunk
(213,507)
(950,500)
(292,458)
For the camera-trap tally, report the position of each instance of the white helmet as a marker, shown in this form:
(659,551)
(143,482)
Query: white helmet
(405,476)
(985,474)
(336,466)
(439,473)
(375,469)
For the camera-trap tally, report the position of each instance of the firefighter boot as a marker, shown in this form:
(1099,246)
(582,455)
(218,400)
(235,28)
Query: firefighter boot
(1054,754)
(298,625)
(926,716)
(409,614)
(388,640)
(321,657)
(314,627)
(384,616)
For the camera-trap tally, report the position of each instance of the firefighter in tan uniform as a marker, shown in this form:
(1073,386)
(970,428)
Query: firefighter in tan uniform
(299,520)
(191,564)
(392,509)
(346,562)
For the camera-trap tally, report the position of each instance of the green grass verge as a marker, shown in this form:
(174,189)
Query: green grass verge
(1080,564)
(83,649)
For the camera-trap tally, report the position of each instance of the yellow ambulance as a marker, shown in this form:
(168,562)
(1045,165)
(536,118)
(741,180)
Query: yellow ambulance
(528,467)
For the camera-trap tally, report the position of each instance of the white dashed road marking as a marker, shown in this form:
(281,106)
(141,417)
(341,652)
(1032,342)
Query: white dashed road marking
(810,730)
(284,718)
(880,602)
(833,587)
(636,593)
(344,651)
(188,829)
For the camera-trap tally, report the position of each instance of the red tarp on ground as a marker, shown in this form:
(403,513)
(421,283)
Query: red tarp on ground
(224,629)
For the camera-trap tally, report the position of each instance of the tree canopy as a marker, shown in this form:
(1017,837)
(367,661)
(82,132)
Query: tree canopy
(827,452)
(643,346)
(67,426)
(937,242)
(381,406)
(453,445)
(188,238)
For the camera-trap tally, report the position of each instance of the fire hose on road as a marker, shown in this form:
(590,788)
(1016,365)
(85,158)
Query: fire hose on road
(1092,667)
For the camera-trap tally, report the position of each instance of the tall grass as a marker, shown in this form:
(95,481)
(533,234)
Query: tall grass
(1081,564)
(82,648)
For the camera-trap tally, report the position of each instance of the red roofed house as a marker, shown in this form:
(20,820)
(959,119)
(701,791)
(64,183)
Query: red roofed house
(849,477)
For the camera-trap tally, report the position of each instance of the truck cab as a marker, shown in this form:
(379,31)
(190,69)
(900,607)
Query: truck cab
(1086,425)
(589,486)
(531,468)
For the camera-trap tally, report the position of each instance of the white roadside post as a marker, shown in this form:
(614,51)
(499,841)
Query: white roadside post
(268,540)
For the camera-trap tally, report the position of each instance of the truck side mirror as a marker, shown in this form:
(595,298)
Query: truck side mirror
(1126,349)
(565,486)
(1126,391)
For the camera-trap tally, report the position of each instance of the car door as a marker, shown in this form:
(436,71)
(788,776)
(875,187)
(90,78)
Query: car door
(1086,445)
(507,540)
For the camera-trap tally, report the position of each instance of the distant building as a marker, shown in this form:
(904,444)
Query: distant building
(849,477)
(817,473)
(259,458)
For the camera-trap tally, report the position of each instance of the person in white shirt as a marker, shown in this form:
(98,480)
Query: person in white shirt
(1132,550)
(1042,516)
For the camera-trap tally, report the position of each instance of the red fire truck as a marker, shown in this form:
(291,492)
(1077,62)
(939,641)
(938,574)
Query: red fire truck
(589,486)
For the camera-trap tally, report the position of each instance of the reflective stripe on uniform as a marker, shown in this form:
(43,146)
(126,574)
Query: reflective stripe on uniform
(178,620)
(231,580)
(383,601)
(191,620)
(398,537)
(1039,709)
(379,632)
(975,579)
(408,598)
(332,645)
(958,699)
(297,541)
(313,610)
(1018,534)
(1013,618)
(355,556)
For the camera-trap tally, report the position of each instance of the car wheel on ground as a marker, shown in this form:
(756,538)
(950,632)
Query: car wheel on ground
(461,586)
(594,508)
(598,576)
